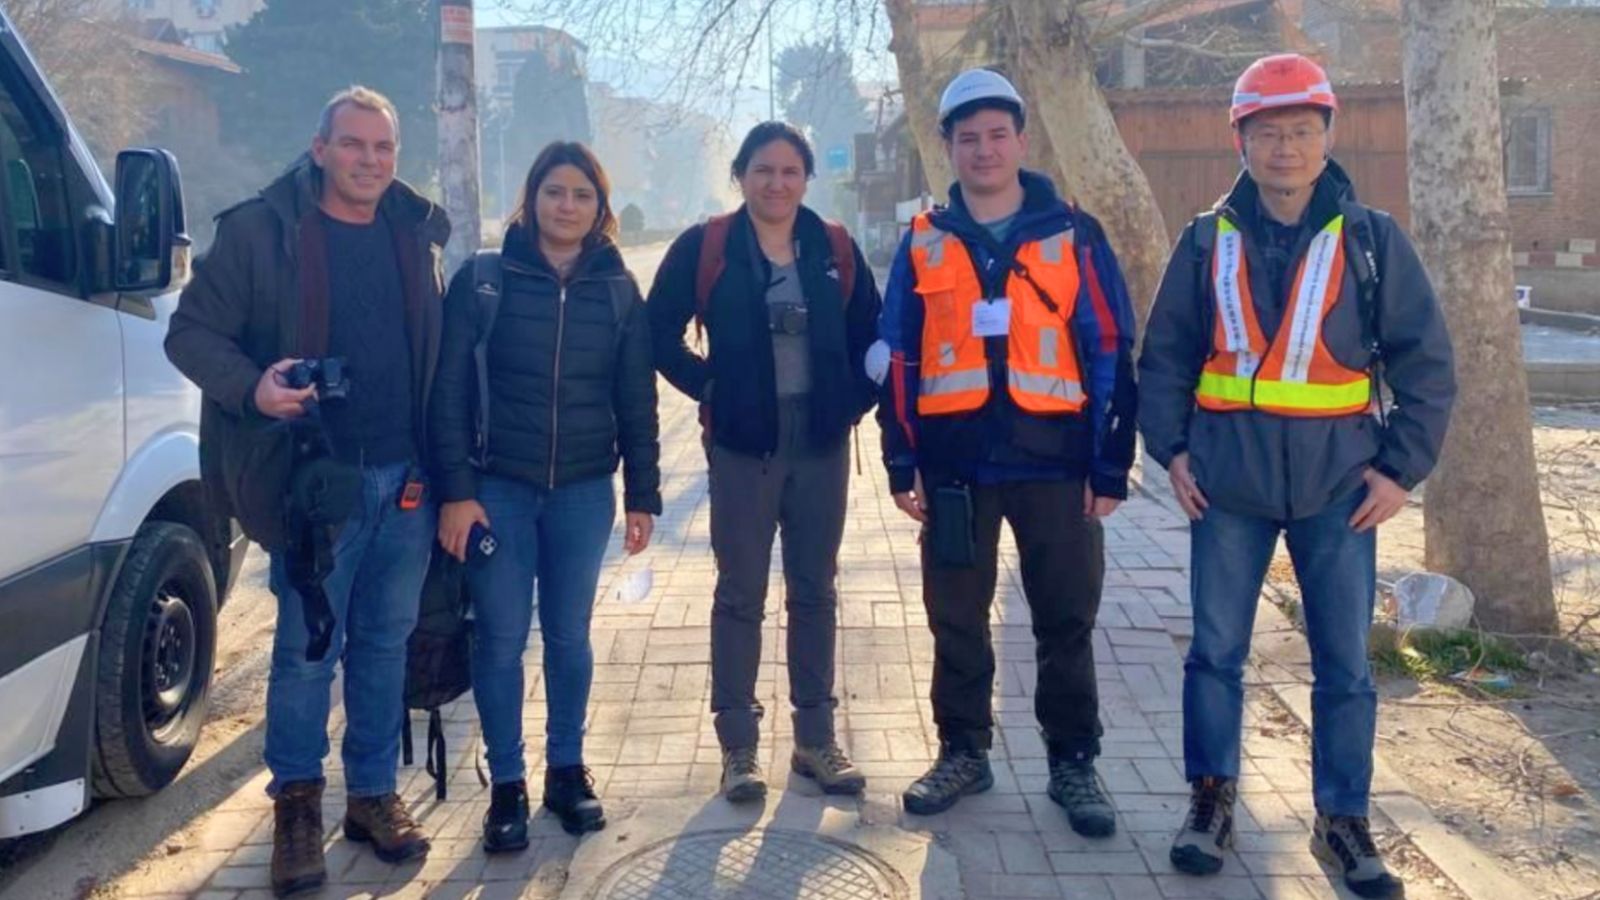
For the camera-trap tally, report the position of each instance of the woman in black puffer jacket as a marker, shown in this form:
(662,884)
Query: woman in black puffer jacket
(571,393)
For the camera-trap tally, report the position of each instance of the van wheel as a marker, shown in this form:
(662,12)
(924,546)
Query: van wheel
(157,645)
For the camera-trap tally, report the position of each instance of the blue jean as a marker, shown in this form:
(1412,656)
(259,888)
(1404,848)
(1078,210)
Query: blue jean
(552,540)
(380,558)
(1337,571)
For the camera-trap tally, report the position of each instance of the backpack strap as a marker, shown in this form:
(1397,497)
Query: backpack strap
(622,293)
(844,257)
(713,260)
(436,753)
(1205,243)
(486,279)
(1361,248)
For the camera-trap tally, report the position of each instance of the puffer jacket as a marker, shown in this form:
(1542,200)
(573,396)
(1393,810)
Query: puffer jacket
(572,389)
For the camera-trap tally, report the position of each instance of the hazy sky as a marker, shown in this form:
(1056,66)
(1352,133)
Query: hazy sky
(646,69)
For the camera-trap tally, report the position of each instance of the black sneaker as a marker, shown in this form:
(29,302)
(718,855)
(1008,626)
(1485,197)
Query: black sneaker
(505,825)
(569,793)
(1075,787)
(955,774)
(1346,842)
(1208,829)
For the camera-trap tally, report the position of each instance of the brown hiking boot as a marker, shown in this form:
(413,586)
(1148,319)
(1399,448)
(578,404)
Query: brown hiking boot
(297,865)
(385,823)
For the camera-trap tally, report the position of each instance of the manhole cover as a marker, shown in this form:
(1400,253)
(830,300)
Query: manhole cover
(750,865)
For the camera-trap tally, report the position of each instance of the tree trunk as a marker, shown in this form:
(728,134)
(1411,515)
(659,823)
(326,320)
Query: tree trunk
(922,80)
(1484,524)
(1054,65)
(458,132)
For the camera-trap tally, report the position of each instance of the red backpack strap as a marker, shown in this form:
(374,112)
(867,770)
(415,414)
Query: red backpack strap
(713,259)
(844,256)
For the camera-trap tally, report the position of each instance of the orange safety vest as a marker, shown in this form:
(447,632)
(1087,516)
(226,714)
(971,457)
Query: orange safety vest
(1295,375)
(1040,356)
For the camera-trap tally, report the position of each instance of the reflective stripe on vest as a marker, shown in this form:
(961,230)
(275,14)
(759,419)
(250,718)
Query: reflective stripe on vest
(1295,375)
(1041,361)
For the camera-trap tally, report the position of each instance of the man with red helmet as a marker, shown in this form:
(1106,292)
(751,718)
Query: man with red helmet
(1280,313)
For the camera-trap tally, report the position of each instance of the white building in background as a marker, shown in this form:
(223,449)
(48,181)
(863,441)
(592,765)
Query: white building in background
(201,23)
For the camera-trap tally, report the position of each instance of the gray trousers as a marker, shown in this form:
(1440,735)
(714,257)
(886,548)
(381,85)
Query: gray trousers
(803,491)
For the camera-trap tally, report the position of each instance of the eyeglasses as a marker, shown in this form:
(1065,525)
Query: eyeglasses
(1269,137)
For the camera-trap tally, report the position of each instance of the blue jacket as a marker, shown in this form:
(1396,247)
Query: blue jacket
(1001,442)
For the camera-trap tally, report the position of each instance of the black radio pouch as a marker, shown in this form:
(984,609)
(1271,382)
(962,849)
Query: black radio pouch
(951,537)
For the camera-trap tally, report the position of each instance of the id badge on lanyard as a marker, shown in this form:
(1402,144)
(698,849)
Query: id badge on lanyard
(991,317)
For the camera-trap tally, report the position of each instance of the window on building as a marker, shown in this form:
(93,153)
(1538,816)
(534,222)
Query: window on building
(1527,137)
(139,5)
(205,9)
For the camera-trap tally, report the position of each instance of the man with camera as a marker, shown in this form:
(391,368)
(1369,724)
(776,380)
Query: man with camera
(312,328)
(1009,397)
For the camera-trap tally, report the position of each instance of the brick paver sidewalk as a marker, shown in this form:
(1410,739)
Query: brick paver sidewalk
(655,757)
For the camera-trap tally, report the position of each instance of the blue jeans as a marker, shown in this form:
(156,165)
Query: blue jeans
(380,558)
(555,539)
(1337,571)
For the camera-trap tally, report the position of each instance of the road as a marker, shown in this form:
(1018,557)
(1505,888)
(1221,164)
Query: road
(113,838)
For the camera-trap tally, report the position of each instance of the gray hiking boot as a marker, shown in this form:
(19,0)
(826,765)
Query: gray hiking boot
(742,781)
(829,768)
(1346,843)
(955,774)
(1208,829)
(1075,787)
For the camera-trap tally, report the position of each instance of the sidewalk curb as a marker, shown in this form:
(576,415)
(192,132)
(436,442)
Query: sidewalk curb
(1473,872)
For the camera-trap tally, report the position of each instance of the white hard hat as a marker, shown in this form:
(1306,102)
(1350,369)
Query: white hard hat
(977,84)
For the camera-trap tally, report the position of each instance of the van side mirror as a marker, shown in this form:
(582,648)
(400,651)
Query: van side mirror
(149,221)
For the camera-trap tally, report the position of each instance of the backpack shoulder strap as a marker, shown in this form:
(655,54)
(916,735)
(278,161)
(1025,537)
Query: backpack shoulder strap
(713,260)
(1205,235)
(486,276)
(1361,247)
(622,291)
(844,256)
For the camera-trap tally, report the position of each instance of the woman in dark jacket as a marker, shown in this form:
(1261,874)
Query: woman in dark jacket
(571,393)
(780,387)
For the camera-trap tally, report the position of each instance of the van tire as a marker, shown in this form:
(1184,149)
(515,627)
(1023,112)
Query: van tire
(157,647)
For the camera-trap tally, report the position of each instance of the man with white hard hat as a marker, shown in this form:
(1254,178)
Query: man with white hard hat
(1008,397)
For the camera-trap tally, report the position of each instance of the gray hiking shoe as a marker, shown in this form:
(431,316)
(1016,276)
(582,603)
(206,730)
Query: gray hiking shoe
(829,768)
(1075,787)
(1208,829)
(1346,843)
(742,781)
(955,774)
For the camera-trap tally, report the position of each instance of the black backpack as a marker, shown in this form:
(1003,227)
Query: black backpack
(438,658)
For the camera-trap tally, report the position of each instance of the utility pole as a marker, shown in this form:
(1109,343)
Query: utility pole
(458,131)
(772,73)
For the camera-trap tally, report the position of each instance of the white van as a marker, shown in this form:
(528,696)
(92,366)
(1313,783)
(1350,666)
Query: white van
(111,569)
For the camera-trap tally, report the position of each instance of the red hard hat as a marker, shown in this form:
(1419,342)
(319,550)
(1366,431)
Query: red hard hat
(1287,79)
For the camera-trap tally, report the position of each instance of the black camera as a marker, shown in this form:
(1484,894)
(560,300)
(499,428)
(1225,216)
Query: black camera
(787,318)
(328,375)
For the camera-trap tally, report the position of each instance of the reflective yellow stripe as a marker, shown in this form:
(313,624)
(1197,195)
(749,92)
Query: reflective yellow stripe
(955,382)
(1283,394)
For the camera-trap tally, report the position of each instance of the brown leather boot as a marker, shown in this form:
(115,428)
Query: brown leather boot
(297,864)
(385,823)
